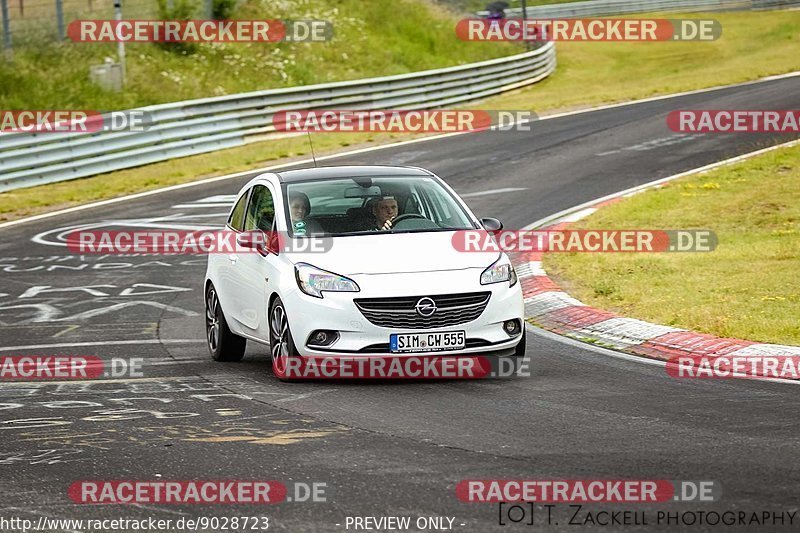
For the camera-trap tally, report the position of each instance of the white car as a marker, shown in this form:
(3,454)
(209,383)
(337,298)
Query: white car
(378,289)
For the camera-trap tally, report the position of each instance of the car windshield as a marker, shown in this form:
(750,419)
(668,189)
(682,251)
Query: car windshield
(363,205)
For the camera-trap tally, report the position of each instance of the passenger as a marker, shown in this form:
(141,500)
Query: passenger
(299,208)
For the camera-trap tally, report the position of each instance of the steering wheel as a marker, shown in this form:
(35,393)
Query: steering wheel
(407,216)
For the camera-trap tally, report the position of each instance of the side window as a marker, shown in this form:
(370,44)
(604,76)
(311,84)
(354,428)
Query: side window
(237,215)
(260,211)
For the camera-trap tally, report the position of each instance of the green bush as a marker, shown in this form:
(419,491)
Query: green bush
(179,10)
(223,9)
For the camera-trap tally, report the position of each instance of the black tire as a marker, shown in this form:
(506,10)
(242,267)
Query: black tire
(281,342)
(519,352)
(223,344)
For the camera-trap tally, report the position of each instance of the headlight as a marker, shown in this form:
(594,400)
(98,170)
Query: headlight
(499,272)
(313,281)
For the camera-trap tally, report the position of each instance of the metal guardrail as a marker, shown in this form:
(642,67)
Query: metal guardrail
(600,8)
(197,126)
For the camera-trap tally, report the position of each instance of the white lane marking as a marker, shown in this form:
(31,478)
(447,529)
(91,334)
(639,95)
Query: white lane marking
(578,215)
(492,191)
(201,206)
(100,343)
(371,149)
(219,198)
(170,222)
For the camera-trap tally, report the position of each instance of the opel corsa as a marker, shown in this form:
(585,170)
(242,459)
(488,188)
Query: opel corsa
(342,282)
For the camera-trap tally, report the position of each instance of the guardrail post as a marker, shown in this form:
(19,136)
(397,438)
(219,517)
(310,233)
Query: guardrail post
(209,9)
(60,19)
(120,44)
(524,18)
(6,27)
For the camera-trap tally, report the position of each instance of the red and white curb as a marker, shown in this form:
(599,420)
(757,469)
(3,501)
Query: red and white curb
(549,307)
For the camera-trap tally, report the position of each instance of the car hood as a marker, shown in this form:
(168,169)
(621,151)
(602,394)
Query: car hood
(392,253)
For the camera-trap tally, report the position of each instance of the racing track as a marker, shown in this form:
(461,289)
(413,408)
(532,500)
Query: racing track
(382,448)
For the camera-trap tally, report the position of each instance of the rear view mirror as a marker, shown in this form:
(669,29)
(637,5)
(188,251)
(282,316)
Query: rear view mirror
(362,192)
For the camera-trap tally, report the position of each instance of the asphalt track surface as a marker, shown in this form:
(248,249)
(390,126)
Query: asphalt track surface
(382,448)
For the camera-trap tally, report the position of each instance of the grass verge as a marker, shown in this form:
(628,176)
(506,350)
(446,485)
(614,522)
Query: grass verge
(753,45)
(747,288)
(370,39)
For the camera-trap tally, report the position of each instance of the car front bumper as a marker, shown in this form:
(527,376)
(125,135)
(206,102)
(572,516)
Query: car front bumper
(358,336)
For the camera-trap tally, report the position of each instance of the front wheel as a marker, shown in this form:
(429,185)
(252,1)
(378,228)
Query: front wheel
(281,344)
(223,344)
(519,352)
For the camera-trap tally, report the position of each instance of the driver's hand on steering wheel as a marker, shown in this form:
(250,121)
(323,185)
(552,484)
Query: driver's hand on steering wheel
(387,225)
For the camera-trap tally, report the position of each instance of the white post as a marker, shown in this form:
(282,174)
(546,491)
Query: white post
(6,27)
(120,44)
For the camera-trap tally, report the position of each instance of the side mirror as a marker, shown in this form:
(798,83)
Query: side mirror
(263,243)
(492,225)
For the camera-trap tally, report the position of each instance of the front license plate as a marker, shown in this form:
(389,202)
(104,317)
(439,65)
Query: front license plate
(427,342)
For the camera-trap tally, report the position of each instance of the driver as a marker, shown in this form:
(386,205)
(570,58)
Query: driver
(385,211)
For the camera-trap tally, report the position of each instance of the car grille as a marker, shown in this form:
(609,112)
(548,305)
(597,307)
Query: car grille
(400,312)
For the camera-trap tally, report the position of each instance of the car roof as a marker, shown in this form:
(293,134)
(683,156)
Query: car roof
(322,173)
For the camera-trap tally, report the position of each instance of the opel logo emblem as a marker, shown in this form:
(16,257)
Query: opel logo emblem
(425,307)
